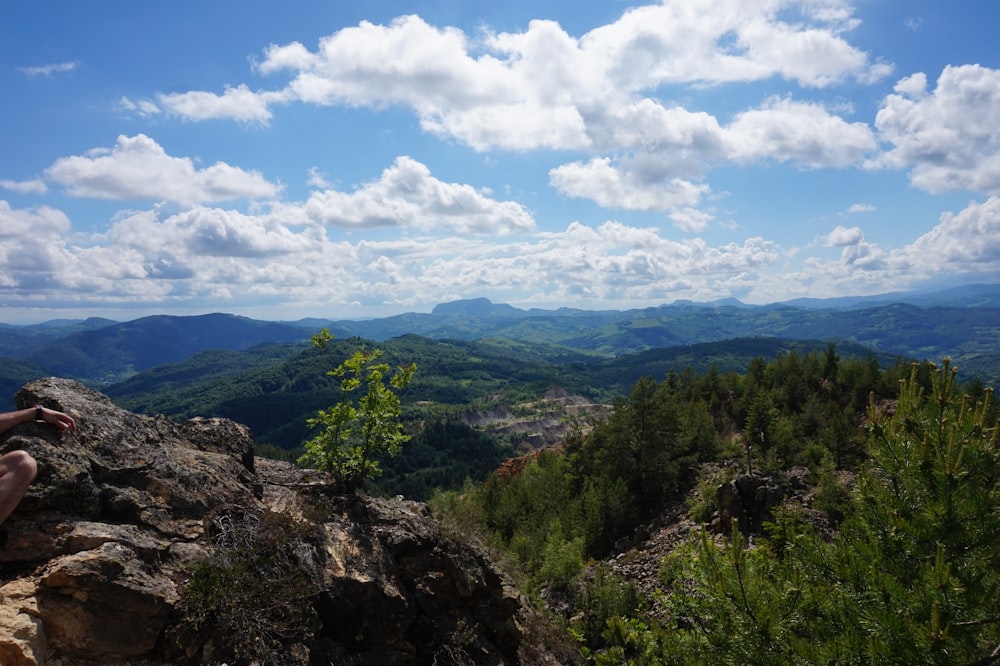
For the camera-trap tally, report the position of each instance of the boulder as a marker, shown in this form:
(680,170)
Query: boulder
(750,500)
(99,558)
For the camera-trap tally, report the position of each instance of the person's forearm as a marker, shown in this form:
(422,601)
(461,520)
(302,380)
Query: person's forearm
(10,419)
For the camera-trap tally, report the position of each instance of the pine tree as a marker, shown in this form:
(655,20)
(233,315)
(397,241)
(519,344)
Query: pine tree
(912,577)
(919,561)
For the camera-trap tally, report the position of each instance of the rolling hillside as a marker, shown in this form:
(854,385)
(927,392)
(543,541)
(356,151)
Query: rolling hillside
(274,390)
(961,324)
(117,351)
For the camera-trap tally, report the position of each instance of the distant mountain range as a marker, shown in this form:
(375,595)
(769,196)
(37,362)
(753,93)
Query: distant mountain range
(962,323)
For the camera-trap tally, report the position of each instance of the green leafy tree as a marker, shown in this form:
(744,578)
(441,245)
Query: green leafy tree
(356,433)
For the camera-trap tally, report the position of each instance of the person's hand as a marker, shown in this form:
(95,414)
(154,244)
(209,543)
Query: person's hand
(63,422)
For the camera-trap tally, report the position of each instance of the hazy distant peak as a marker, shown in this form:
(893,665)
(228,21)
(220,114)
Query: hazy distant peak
(480,307)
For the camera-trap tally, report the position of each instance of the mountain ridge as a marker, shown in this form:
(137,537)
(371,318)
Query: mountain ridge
(961,323)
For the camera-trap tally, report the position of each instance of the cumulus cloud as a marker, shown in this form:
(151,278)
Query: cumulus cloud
(408,196)
(805,133)
(669,149)
(203,254)
(138,168)
(684,140)
(211,232)
(948,136)
(964,242)
(534,88)
(620,104)
(842,236)
(236,103)
(856,251)
(41,222)
(31,246)
(223,256)
(626,186)
(542,88)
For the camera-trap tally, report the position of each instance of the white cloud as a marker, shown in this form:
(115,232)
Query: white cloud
(690,220)
(538,87)
(671,148)
(948,137)
(143,108)
(964,242)
(210,232)
(625,185)
(48,71)
(31,247)
(862,255)
(407,195)
(620,104)
(222,257)
(542,88)
(684,139)
(786,130)
(25,186)
(236,103)
(138,168)
(225,259)
(316,178)
(728,41)
(42,222)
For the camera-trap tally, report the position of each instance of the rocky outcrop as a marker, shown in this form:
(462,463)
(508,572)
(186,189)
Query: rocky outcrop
(538,424)
(750,500)
(99,558)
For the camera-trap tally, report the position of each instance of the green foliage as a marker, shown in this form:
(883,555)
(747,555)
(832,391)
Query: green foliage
(649,446)
(275,453)
(534,515)
(561,558)
(604,598)
(441,455)
(254,593)
(355,434)
(646,455)
(702,501)
(911,577)
(929,515)
(832,496)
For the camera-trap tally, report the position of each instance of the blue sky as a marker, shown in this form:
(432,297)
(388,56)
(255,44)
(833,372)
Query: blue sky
(350,160)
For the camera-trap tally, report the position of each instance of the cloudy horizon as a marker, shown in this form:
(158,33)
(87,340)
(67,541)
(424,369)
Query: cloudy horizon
(354,162)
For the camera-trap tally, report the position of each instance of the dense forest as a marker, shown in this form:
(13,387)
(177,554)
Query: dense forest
(888,553)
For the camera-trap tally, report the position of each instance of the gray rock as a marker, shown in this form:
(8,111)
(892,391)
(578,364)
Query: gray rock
(100,552)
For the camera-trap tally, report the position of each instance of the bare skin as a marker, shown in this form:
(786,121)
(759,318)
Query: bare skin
(18,468)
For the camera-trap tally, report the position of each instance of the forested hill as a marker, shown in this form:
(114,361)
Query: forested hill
(961,324)
(274,389)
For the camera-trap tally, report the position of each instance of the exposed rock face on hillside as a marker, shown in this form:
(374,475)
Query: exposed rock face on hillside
(541,423)
(98,557)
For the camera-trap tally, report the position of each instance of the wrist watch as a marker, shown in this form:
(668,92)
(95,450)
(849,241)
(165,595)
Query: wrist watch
(38,413)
